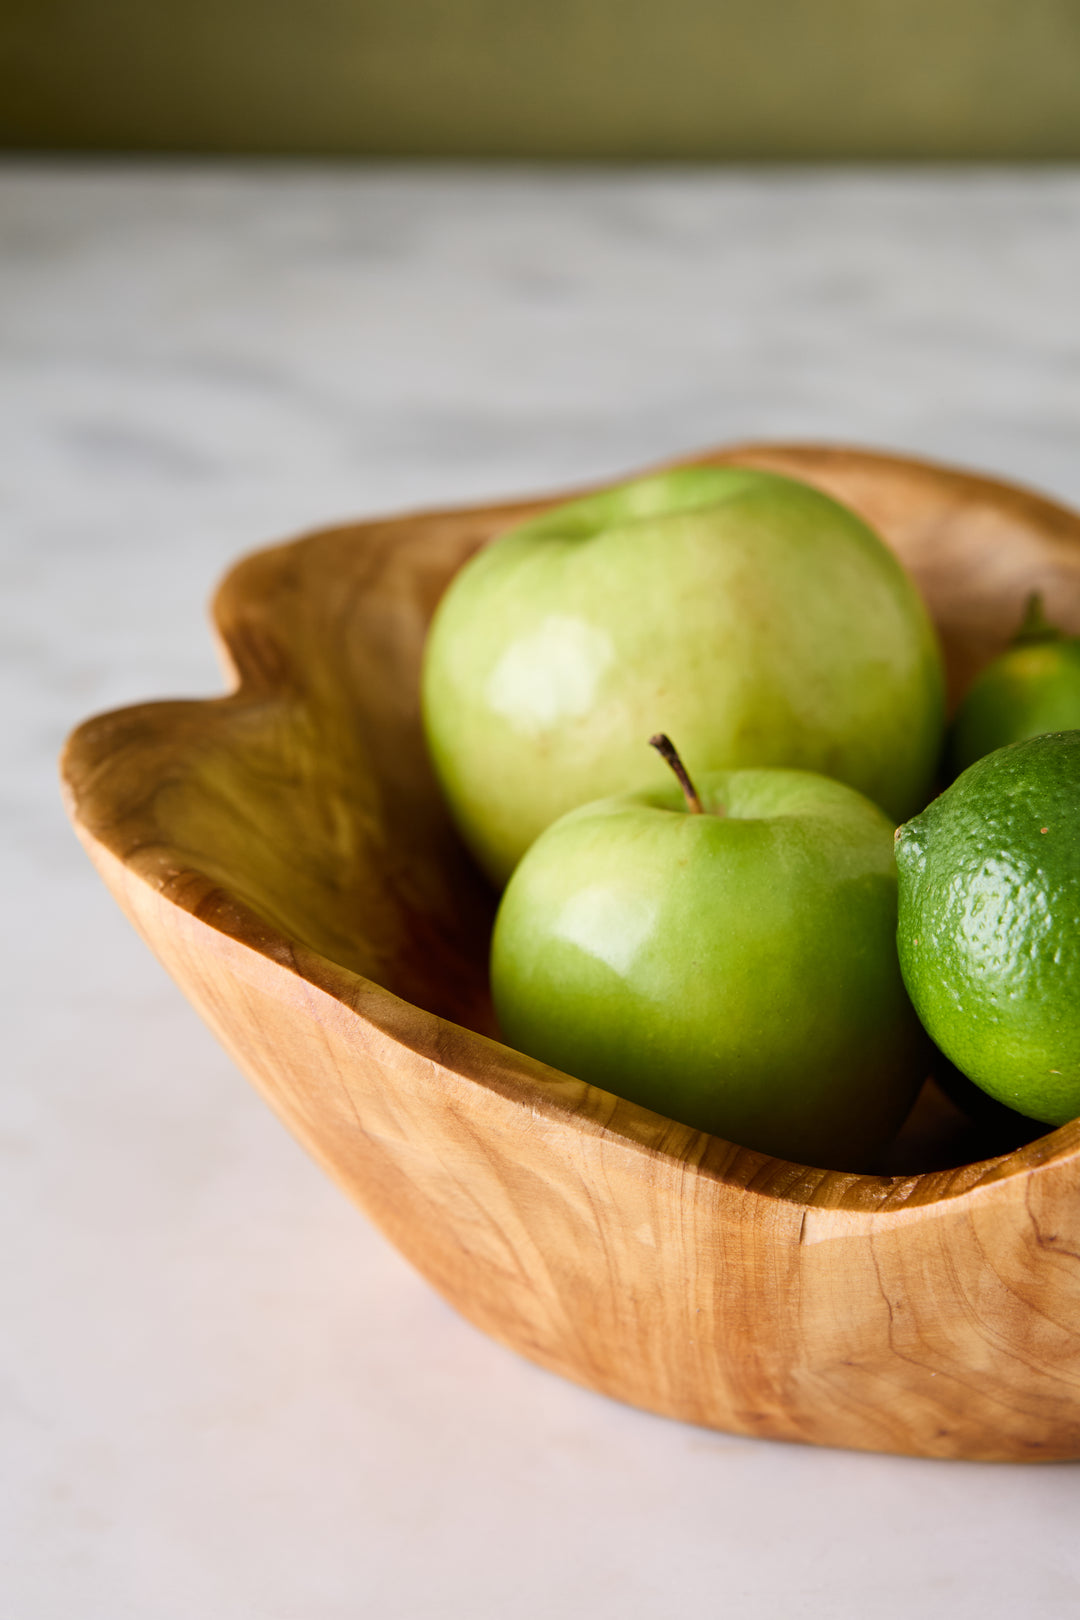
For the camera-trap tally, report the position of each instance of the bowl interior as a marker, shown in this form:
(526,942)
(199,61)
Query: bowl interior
(305,800)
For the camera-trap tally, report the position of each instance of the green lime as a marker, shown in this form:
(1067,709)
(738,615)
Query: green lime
(1032,688)
(989,923)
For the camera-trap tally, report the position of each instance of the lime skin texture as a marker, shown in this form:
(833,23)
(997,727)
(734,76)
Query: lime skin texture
(747,615)
(1029,690)
(989,923)
(734,970)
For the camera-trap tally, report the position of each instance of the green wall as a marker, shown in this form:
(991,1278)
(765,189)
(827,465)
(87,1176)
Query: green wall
(738,79)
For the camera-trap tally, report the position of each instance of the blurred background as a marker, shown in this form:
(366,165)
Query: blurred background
(747,80)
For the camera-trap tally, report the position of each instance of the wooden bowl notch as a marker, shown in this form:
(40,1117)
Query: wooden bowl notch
(285,852)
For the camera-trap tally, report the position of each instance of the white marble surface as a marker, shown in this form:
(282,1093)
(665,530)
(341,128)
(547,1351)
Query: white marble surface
(221,1393)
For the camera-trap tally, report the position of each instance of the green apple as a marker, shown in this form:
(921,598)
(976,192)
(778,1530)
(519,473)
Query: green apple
(734,969)
(749,615)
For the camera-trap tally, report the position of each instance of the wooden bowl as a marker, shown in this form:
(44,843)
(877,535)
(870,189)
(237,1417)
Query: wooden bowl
(286,854)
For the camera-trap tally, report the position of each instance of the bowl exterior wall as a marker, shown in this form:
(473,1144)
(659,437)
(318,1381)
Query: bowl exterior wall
(943,1330)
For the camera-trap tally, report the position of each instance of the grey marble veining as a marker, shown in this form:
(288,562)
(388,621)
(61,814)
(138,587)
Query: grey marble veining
(220,1392)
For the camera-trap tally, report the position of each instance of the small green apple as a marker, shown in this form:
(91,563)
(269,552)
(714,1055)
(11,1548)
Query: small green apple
(734,969)
(748,614)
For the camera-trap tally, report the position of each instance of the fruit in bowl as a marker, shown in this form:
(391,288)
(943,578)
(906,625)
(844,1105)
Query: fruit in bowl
(989,937)
(746,614)
(1033,687)
(723,956)
(285,851)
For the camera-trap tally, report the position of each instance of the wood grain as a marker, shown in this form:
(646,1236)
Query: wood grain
(285,853)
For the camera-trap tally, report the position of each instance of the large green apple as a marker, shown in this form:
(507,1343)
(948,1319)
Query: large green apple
(735,970)
(747,614)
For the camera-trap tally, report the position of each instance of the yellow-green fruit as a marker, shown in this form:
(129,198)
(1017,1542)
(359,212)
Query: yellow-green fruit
(1032,688)
(748,615)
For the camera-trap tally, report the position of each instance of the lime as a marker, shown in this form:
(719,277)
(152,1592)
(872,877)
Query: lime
(989,923)
(1033,687)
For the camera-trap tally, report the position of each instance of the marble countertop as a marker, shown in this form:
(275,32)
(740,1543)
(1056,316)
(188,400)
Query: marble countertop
(221,1392)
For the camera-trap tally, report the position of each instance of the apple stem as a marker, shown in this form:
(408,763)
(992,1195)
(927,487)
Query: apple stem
(1035,627)
(667,751)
